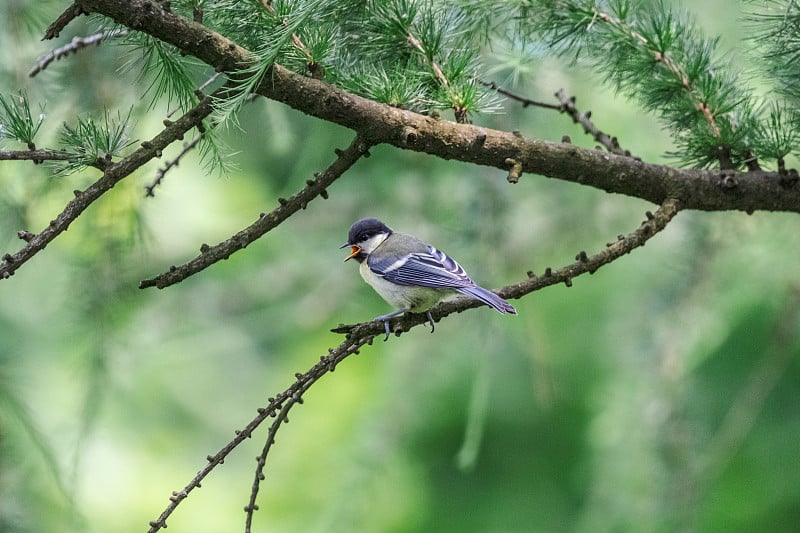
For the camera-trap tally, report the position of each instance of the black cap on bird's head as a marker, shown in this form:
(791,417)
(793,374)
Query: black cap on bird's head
(362,231)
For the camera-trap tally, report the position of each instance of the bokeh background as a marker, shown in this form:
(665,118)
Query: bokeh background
(659,394)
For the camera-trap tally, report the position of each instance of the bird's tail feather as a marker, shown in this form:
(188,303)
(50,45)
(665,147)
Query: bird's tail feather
(489,298)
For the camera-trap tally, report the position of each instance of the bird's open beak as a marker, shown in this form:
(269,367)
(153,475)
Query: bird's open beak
(354,250)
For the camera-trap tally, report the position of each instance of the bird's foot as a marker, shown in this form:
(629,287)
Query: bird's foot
(386,327)
(385,320)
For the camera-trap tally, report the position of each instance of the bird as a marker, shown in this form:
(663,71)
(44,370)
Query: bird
(410,274)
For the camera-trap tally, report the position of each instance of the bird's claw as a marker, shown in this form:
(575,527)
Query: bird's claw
(385,320)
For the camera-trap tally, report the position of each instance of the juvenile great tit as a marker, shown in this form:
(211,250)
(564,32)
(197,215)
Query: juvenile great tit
(410,274)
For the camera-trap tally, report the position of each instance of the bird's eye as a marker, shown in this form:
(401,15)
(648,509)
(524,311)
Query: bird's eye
(363,237)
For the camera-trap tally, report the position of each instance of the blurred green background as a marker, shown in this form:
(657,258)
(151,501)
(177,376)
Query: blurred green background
(659,394)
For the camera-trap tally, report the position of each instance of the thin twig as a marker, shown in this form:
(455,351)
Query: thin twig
(567,105)
(266,221)
(261,460)
(251,507)
(327,363)
(209,81)
(113,173)
(76,44)
(521,99)
(187,147)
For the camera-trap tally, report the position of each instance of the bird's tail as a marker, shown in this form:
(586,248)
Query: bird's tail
(489,298)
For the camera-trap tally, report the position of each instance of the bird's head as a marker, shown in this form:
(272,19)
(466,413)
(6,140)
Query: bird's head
(364,236)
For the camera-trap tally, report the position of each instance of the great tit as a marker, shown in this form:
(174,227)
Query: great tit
(410,274)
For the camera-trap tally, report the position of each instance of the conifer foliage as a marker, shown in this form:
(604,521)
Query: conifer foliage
(417,75)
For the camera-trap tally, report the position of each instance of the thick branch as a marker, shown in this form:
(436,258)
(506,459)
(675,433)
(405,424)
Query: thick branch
(378,123)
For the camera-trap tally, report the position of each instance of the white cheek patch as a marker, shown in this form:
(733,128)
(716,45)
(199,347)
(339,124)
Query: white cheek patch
(372,243)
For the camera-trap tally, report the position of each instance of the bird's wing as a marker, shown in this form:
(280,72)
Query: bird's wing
(432,268)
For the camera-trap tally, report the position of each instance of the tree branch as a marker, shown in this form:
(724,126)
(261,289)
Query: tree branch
(378,123)
(113,173)
(76,44)
(67,16)
(292,395)
(359,335)
(281,418)
(266,222)
(172,163)
(583,264)
(521,99)
(34,155)
(566,105)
